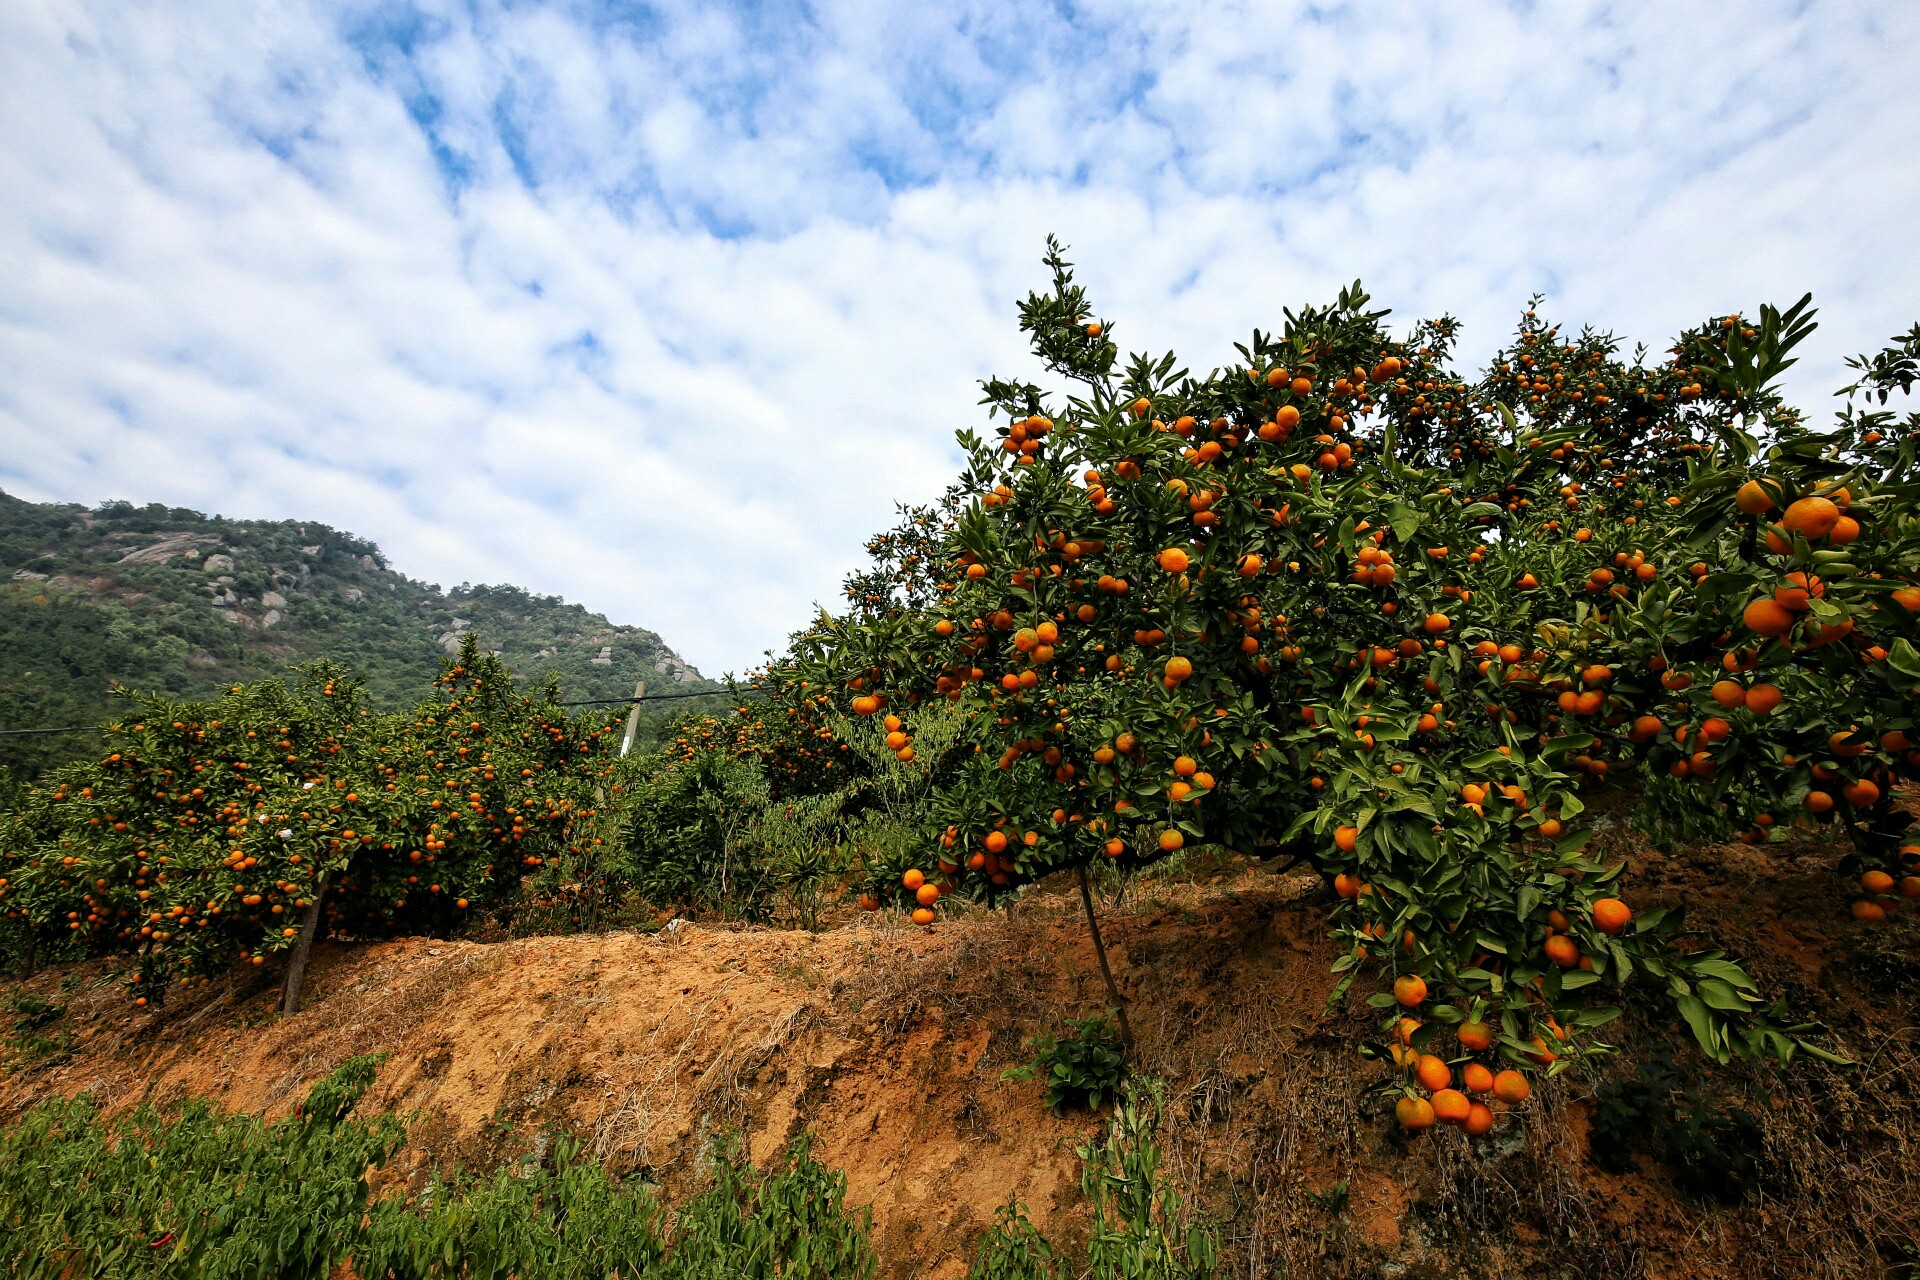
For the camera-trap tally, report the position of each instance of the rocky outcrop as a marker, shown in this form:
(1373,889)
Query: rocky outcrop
(178,544)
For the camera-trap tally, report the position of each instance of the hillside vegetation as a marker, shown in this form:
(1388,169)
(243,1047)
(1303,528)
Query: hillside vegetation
(164,599)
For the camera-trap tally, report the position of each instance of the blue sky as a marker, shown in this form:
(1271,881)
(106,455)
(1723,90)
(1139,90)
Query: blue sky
(661,307)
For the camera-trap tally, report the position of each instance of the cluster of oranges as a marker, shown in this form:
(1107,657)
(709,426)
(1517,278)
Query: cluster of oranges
(1342,604)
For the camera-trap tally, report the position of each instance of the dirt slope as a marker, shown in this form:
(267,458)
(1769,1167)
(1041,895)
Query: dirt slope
(889,1043)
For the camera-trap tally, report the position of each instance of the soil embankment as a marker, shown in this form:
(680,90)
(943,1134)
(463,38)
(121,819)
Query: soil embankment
(889,1044)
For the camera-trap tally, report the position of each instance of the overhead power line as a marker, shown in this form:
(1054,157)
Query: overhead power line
(655,697)
(590,702)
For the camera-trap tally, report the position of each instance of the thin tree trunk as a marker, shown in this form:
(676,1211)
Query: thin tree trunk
(302,946)
(1100,950)
(33,950)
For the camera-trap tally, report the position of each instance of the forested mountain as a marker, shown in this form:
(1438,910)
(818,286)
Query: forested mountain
(164,598)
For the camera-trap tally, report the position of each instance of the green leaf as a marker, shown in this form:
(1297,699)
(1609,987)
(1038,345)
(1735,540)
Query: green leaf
(1404,520)
(1703,1026)
(1815,1051)
(1904,658)
(1726,971)
(1721,996)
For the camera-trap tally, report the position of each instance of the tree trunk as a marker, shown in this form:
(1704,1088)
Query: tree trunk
(1100,950)
(302,946)
(33,951)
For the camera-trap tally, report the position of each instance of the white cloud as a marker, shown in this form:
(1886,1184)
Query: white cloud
(280,261)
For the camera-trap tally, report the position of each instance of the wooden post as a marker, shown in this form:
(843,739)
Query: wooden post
(297,966)
(633,718)
(1100,950)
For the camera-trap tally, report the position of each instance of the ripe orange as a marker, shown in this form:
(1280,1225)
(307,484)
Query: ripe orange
(1767,617)
(1861,794)
(1811,518)
(1414,1113)
(1799,589)
(1346,886)
(1475,1035)
(1172,839)
(1436,622)
(1173,560)
(1610,915)
(1728,694)
(1846,745)
(1450,1106)
(915,878)
(1479,1120)
(927,894)
(1477,1078)
(1409,989)
(1763,698)
(1178,670)
(1751,499)
(1563,951)
(1345,838)
(922,915)
(1868,911)
(1876,882)
(1432,1073)
(1511,1087)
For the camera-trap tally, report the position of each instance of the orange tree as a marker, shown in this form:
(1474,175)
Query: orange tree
(238,830)
(1341,603)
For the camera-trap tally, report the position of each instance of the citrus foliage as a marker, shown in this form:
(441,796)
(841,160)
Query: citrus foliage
(206,830)
(1342,602)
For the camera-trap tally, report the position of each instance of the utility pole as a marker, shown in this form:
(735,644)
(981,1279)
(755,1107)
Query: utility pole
(633,718)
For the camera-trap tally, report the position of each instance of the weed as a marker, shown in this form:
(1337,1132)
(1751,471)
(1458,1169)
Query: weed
(1712,1149)
(1083,1069)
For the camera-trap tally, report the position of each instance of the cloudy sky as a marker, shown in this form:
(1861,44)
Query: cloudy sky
(662,307)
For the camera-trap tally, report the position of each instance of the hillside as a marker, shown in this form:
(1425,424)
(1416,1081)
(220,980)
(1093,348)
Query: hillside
(890,1045)
(164,598)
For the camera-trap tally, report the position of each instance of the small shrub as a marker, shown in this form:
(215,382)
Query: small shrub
(33,1035)
(1083,1069)
(1712,1149)
(1014,1249)
(1138,1232)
